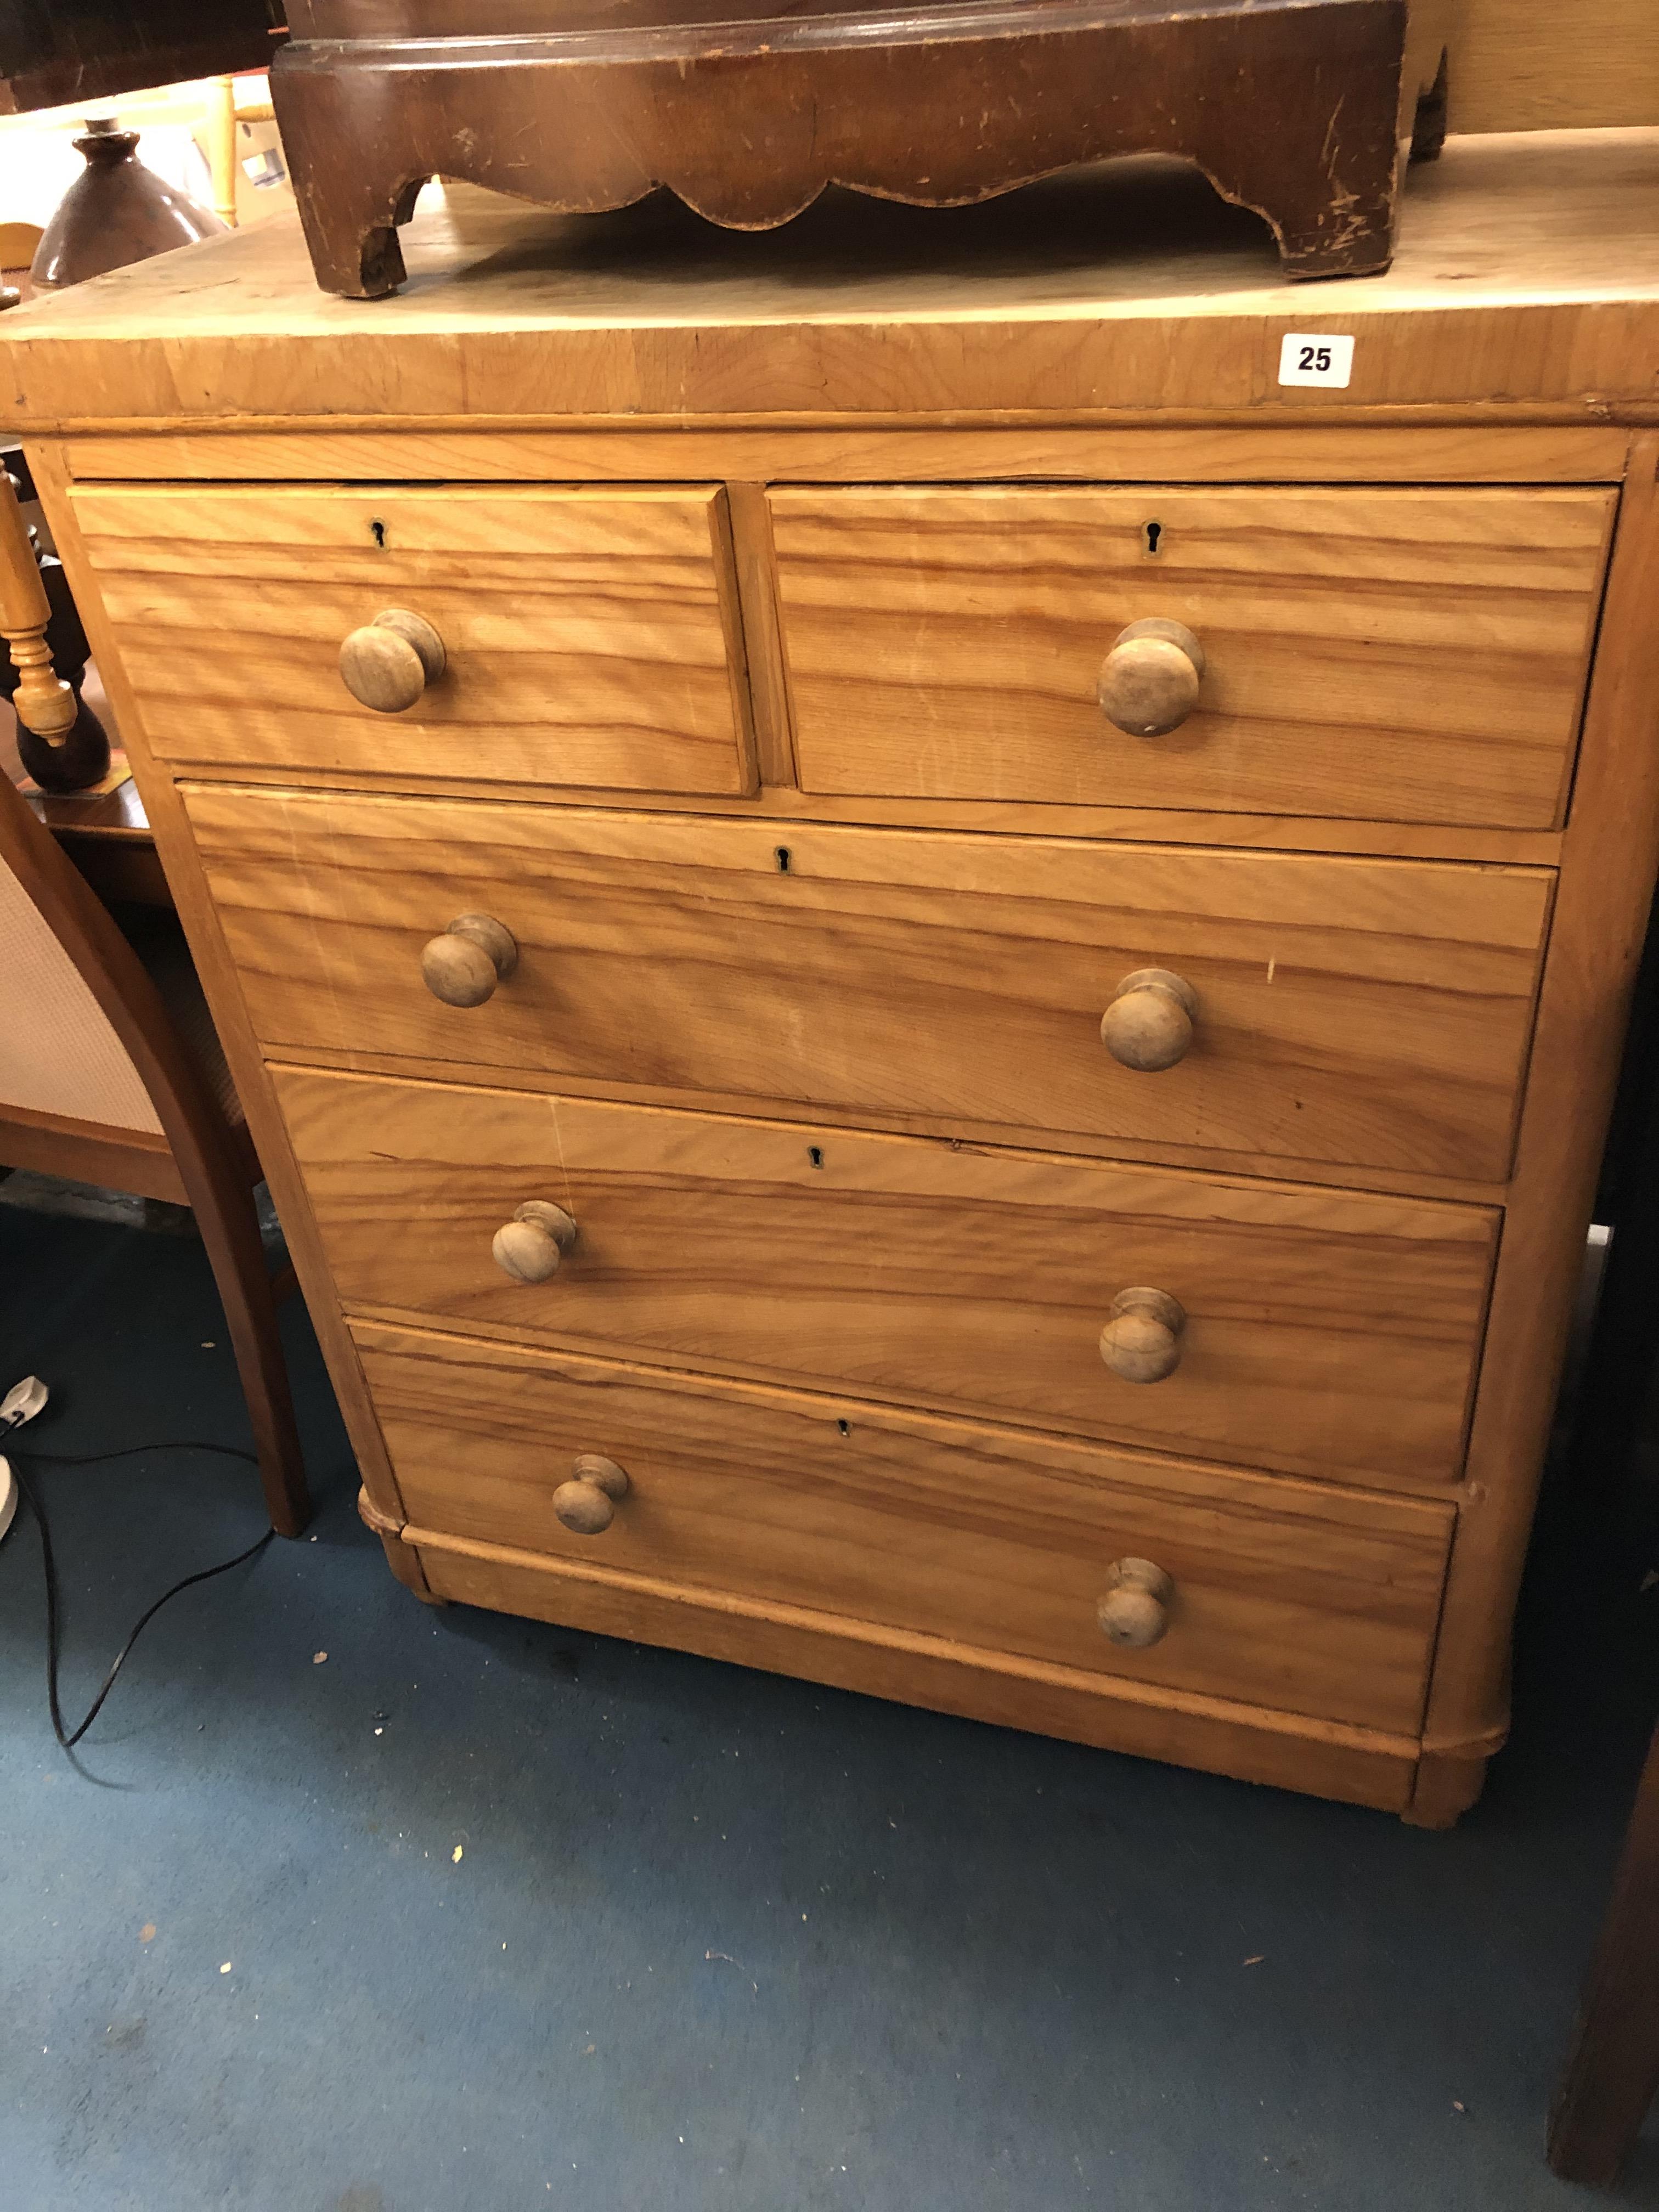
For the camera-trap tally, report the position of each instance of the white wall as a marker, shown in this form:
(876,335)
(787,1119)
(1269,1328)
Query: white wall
(39,162)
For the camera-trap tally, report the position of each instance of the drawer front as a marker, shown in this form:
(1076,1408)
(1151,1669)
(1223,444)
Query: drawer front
(1411,656)
(1306,1599)
(590,637)
(1327,1332)
(1365,1012)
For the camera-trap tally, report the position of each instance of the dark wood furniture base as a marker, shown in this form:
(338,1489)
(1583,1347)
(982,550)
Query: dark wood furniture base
(1289,106)
(1614,2068)
(56,51)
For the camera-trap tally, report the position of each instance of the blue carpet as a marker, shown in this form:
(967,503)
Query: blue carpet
(712,1939)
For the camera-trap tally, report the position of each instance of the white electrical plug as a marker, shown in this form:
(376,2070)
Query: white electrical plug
(20,1404)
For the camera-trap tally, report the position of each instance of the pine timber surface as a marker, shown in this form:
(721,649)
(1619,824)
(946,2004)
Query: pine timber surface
(1538,254)
(1100,333)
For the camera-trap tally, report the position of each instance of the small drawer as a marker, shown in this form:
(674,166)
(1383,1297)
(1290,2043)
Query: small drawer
(1282,1593)
(1325,1333)
(587,638)
(1371,1014)
(1399,655)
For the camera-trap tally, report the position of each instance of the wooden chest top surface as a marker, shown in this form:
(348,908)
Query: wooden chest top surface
(1526,286)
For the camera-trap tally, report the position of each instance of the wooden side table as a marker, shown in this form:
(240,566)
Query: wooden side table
(105,832)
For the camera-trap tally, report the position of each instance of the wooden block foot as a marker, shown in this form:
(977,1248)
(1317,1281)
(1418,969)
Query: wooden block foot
(1447,1785)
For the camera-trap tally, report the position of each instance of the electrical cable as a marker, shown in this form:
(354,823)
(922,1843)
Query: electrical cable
(26,1490)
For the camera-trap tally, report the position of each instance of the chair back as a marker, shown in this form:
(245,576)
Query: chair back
(60,1053)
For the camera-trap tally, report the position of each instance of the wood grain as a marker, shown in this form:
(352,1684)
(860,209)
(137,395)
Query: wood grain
(41,700)
(165,815)
(1289,1594)
(1532,65)
(1001,817)
(1104,333)
(158,1022)
(91,1151)
(1606,888)
(81,50)
(780,452)
(1524,288)
(587,634)
(1392,1182)
(1359,1766)
(1416,656)
(755,567)
(1290,107)
(1370,1012)
(1328,1333)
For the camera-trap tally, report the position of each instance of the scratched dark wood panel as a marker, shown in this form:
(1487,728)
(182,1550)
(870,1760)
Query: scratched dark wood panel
(1289,106)
(56,51)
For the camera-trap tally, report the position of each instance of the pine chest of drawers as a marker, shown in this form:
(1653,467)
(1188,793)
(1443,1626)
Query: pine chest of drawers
(929,979)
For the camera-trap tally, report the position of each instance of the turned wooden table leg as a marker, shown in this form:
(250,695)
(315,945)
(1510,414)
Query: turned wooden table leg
(43,701)
(1614,2071)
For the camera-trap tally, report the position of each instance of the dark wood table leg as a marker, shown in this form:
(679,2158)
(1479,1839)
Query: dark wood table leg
(1614,2070)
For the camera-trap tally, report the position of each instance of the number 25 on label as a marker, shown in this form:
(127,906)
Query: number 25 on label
(1306,357)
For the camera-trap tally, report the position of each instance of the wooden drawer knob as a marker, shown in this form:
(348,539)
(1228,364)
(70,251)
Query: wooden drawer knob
(1141,1343)
(586,1504)
(1149,680)
(1134,1611)
(388,663)
(1149,1023)
(464,965)
(530,1246)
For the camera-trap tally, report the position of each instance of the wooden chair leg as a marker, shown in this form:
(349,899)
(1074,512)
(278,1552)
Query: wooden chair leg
(211,1150)
(230,1230)
(1614,2071)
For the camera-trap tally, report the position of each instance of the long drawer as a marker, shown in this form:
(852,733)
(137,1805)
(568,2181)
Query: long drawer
(589,637)
(1363,1012)
(1282,1593)
(1327,1332)
(1404,655)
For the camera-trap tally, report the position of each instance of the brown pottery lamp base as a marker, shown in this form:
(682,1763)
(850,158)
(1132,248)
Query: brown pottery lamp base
(117,211)
(747,109)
